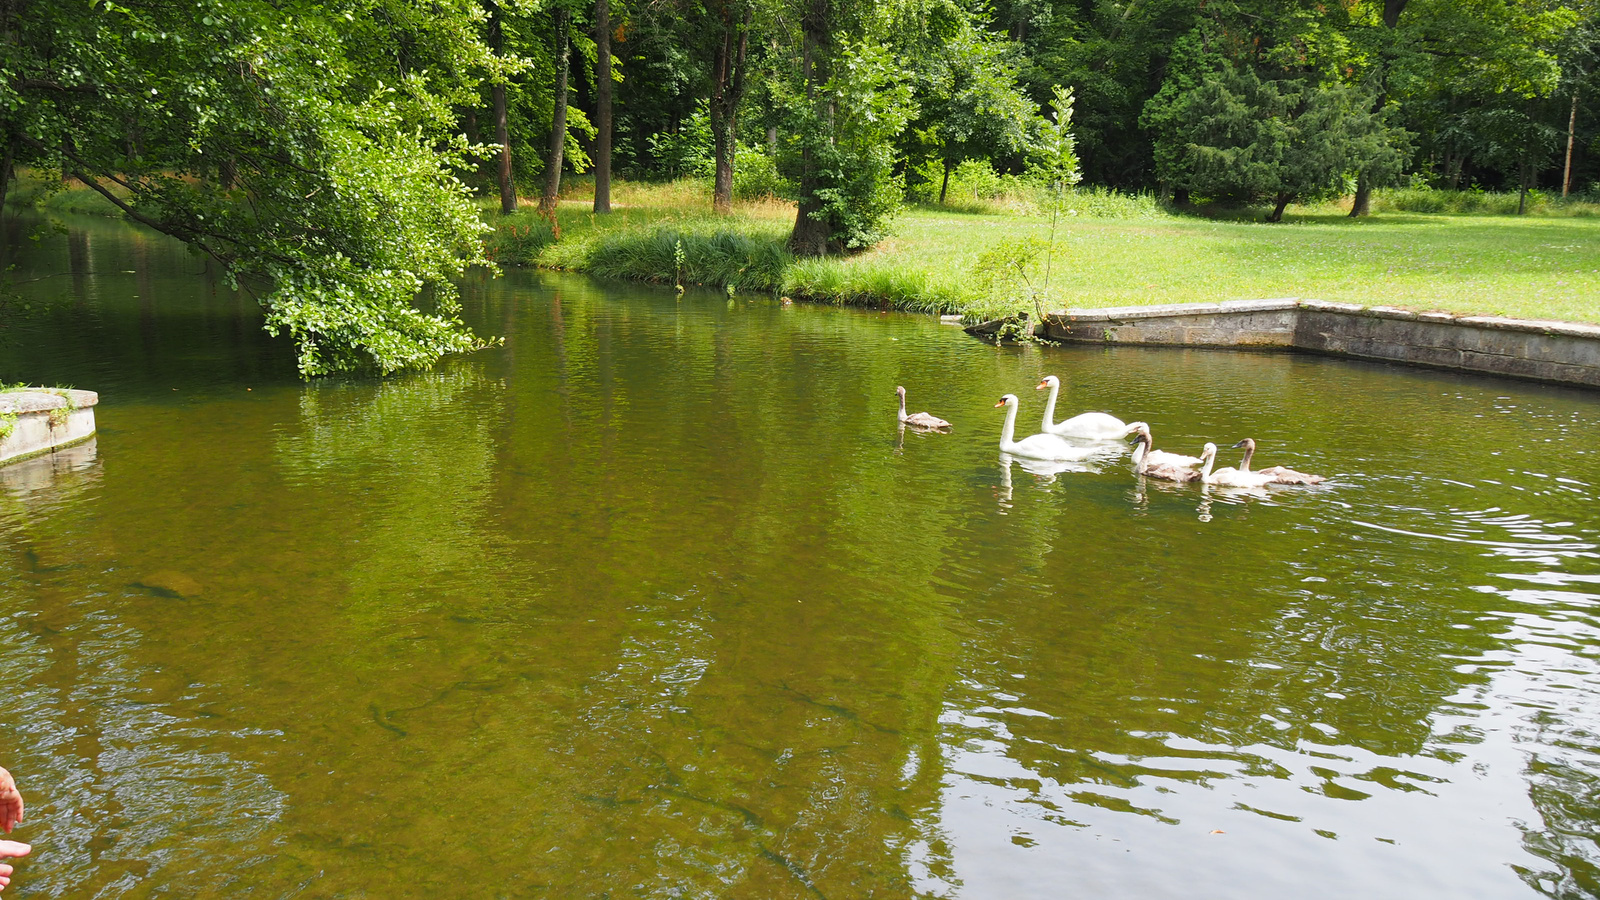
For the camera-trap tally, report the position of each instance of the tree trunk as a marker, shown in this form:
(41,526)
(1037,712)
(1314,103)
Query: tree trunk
(1361,203)
(602,106)
(1180,196)
(502,131)
(727,90)
(558,119)
(1453,170)
(1572,125)
(944,187)
(810,235)
(772,141)
(5,170)
(1392,10)
(1277,211)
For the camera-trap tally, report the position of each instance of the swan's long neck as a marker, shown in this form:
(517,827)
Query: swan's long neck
(1244,464)
(1208,459)
(902,407)
(1140,449)
(1050,406)
(1009,429)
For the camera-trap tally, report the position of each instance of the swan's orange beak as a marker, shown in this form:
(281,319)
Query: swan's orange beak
(1001,403)
(1041,385)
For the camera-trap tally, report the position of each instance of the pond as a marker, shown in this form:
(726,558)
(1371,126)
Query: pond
(655,601)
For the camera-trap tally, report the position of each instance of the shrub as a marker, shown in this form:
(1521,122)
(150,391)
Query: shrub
(755,176)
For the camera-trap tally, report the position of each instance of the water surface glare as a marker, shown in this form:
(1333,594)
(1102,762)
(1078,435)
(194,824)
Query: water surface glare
(654,601)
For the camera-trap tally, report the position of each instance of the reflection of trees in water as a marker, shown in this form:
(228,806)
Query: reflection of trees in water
(762,660)
(1563,787)
(424,445)
(132,306)
(131,777)
(1548,706)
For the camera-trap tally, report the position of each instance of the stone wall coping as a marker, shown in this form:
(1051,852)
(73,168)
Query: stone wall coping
(1167,310)
(43,400)
(1497,323)
(1176,309)
(1557,352)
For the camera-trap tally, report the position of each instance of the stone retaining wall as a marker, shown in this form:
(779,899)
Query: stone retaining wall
(1233,323)
(36,421)
(1560,352)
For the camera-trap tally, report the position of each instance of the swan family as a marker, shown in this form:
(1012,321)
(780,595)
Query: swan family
(1089,434)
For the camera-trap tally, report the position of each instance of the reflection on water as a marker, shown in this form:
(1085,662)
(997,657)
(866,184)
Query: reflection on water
(57,475)
(650,601)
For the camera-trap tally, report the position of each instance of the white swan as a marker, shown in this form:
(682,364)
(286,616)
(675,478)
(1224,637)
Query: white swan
(918,420)
(1228,476)
(1279,474)
(1089,426)
(1144,464)
(1143,454)
(1037,446)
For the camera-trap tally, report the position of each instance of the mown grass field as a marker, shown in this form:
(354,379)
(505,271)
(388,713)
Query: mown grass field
(1537,266)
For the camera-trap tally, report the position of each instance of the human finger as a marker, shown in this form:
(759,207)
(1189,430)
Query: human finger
(13,849)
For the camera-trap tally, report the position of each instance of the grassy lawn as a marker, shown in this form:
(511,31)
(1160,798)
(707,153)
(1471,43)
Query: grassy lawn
(1526,266)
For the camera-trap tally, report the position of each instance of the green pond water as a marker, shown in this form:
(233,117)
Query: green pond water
(654,601)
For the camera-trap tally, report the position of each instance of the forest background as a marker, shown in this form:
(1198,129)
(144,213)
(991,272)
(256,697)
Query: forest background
(343,160)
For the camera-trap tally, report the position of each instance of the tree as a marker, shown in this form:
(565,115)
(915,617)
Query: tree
(1470,68)
(312,152)
(1240,136)
(852,102)
(558,117)
(603,78)
(1579,56)
(727,92)
(502,128)
(1388,15)
(970,106)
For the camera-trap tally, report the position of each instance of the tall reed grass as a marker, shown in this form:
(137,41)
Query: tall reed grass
(747,255)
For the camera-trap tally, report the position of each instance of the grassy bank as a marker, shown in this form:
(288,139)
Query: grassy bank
(1111,250)
(1540,266)
(32,189)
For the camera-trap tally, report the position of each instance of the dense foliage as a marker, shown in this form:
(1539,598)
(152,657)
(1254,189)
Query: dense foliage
(309,148)
(326,151)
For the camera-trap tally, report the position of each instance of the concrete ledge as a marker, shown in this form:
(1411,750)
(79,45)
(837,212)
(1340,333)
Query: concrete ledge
(36,421)
(1559,352)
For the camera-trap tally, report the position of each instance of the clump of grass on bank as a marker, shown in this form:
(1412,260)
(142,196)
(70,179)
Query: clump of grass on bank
(519,238)
(746,255)
(878,282)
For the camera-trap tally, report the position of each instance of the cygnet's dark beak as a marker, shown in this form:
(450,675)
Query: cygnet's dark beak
(1240,444)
